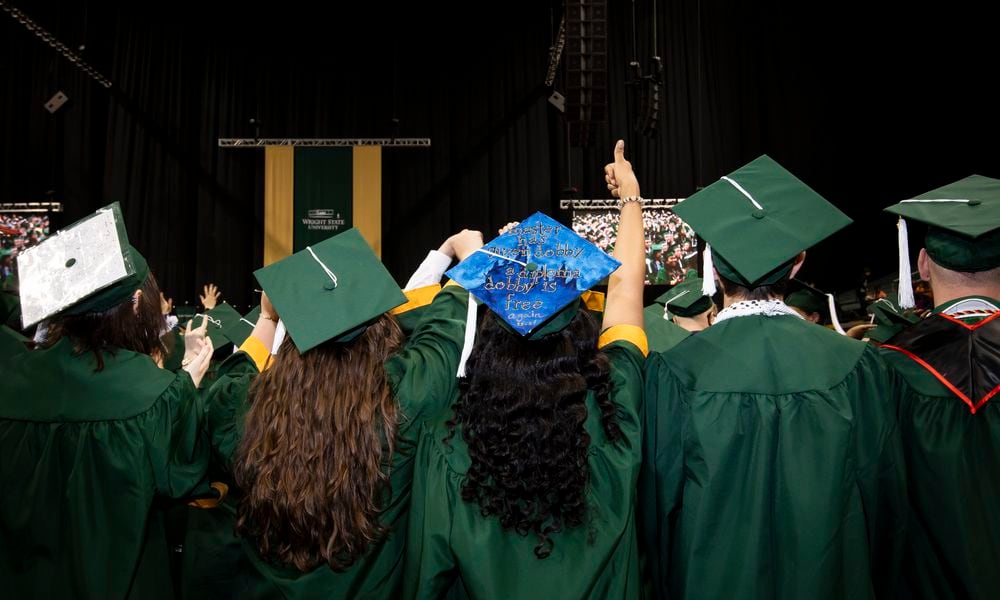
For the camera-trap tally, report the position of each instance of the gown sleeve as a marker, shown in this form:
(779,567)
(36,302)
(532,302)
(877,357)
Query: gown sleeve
(178,449)
(226,404)
(423,372)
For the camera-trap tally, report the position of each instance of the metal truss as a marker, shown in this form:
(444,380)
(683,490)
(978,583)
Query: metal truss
(31,206)
(50,40)
(324,142)
(610,203)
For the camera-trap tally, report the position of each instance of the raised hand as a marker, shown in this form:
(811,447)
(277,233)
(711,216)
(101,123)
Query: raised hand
(199,360)
(193,334)
(508,227)
(619,176)
(466,242)
(166,304)
(210,297)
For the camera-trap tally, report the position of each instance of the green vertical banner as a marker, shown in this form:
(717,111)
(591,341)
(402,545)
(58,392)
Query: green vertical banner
(323,194)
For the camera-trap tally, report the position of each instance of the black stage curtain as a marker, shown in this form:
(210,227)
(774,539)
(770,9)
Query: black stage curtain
(865,103)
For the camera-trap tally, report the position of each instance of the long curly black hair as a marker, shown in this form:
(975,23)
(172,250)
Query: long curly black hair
(521,410)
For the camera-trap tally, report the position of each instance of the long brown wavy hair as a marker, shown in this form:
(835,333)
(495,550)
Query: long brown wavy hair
(313,461)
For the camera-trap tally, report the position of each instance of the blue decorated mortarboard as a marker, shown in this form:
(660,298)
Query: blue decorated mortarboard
(529,274)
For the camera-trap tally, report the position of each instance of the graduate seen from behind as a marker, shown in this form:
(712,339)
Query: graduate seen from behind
(92,432)
(949,418)
(526,488)
(321,436)
(772,461)
(684,309)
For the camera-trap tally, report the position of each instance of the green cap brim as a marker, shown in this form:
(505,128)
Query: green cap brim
(960,253)
(116,293)
(556,323)
(702,305)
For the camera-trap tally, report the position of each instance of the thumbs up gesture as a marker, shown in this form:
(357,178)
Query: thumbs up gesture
(619,176)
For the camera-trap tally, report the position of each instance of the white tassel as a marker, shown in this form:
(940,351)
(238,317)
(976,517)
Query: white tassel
(708,273)
(832,304)
(905,282)
(470,334)
(279,336)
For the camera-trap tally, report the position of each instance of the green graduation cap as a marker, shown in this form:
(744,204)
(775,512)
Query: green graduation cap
(756,220)
(963,220)
(812,300)
(889,318)
(87,267)
(807,298)
(221,323)
(686,299)
(239,330)
(330,290)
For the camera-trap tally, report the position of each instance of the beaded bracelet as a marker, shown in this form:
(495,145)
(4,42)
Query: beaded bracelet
(623,201)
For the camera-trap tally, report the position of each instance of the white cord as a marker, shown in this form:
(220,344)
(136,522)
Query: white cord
(745,193)
(325,268)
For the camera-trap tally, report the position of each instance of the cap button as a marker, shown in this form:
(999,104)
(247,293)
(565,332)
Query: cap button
(757,213)
(975,202)
(329,285)
(70,262)
(531,266)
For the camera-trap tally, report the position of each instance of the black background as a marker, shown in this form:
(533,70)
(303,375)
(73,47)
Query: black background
(869,103)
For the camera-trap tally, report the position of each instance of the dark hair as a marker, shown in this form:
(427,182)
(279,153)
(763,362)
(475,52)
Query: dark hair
(777,289)
(126,326)
(522,409)
(319,432)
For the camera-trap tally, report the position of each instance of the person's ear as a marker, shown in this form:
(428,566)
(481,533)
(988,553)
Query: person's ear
(136,298)
(924,265)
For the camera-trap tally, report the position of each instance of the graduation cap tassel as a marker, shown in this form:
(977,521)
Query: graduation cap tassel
(832,304)
(708,272)
(905,279)
(470,334)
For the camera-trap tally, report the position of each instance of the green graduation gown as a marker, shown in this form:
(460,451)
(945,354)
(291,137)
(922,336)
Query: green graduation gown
(953,476)
(772,465)
(422,375)
(83,456)
(451,544)
(661,333)
(11,343)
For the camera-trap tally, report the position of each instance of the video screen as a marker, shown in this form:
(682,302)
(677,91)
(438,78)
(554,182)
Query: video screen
(671,246)
(18,231)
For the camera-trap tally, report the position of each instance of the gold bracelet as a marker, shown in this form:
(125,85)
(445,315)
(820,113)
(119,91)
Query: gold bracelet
(623,201)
